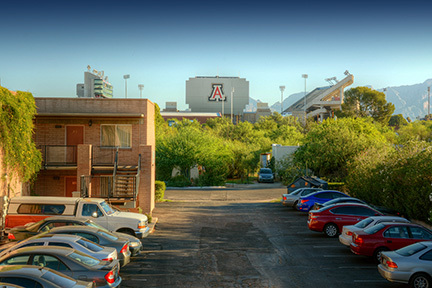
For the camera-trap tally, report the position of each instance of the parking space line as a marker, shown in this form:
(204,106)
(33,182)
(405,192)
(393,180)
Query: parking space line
(357,267)
(326,246)
(370,281)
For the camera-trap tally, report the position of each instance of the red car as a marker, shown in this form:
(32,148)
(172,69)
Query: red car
(331,219)
(387,236)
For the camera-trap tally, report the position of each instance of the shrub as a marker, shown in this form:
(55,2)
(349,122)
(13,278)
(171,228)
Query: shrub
(178,181)
(159,190)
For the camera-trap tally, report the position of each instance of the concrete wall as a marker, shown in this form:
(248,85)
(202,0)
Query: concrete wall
(279,152)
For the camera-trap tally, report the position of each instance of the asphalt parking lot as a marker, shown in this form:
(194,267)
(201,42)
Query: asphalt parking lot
(242,238)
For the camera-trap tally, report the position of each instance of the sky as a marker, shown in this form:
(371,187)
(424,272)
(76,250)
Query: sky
(45,46)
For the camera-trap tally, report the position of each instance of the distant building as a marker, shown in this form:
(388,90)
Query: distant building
(321,102)
(213,94)
(262,111)
(171,112)
(95,85)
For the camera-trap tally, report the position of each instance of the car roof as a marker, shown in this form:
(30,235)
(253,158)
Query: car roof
(48,236)
(387,217)
(43,249)
(22,269)
(76,228)
(322,191)
(66,218)
(349,204)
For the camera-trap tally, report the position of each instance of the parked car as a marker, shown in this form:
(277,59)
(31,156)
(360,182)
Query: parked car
(69,262)
(305,203)
(338,201)
(346,235)
(36,276)
(45,225)
(411,265)
(292,198)
(100,237)
(387,236)
(330,219)
(62,240)
(265,175)
(23,210)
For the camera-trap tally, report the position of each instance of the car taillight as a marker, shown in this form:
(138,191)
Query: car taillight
(124,249)
(349,233)
(11,236)
(284,198)
(391,264)
(109,277)
(358,240)
(304,201)
(108,259)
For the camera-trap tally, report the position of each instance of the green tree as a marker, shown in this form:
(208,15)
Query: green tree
(331,145)
(417,130)
(366,102)
(397,121)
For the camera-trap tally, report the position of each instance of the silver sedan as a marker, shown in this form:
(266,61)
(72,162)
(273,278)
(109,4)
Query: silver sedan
(292,198)
(72,241)
(411,264)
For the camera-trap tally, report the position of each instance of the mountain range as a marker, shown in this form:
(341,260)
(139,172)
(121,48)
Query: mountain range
(409,100)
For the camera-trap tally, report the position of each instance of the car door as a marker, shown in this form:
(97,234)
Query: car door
(396,237)
(344,216)
(88,211)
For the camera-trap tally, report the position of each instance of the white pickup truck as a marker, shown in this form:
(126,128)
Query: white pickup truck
(23,210)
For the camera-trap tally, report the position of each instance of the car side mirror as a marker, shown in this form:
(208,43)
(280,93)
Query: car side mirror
(95,215)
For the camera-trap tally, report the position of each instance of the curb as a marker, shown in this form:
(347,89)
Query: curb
(153,224)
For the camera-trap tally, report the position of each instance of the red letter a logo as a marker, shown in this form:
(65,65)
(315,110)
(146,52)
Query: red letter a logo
(217,93)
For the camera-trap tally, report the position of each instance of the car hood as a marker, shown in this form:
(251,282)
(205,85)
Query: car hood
(136,216)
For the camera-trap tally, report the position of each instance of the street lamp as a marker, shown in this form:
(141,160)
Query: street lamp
(127,76)
(305,76)
(282,88)
(140,87)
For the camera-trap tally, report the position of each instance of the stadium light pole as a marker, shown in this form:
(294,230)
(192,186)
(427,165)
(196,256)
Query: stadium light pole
(140,87)
(232,96)
(127,76)
(305,76)
(282,88)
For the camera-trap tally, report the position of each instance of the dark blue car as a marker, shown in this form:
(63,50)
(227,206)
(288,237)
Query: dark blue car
(307,202)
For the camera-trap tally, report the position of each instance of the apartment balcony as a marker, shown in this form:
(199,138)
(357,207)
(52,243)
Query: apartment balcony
(59,157)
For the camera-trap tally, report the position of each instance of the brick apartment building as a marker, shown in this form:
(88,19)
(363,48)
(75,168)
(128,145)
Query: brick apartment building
(95,147)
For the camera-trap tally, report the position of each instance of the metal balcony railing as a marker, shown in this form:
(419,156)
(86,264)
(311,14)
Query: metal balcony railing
(110,187)
(59,155)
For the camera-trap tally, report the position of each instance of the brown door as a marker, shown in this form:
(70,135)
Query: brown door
(74,136)
(71,185)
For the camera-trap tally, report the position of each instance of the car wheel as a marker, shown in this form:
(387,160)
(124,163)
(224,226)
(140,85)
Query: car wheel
(127,231)
(420,280)
(331,230)
(377,253)
(295,206)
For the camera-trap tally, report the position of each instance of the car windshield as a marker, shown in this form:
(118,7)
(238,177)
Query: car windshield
(295,192)
(84,259)
(365,222)
(108,235)
(34,226)
(95,225)
(374,229)
(107,208)
(265,171)
(90,245)
(411,249)
(60,279)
